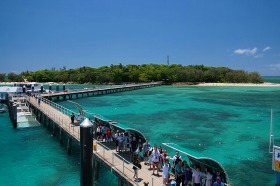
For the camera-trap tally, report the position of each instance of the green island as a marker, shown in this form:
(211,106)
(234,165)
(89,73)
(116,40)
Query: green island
(137,73)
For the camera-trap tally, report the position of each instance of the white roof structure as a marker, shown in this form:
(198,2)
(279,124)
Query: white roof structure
(8,89)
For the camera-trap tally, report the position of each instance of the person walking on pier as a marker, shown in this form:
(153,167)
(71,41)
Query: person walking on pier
(146,147)
(136,166)
(79,119)
(72,117)
(39,100)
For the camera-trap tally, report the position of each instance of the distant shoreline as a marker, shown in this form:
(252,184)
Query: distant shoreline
(265,84)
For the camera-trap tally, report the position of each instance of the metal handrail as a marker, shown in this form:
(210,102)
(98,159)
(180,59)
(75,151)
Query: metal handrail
(56,118)
(123,162)
(64,110)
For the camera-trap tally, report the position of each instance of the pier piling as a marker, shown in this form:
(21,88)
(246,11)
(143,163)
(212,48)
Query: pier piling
(69,146)
(86,135)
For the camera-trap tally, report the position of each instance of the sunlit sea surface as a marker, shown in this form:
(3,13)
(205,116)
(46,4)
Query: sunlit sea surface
(229,124)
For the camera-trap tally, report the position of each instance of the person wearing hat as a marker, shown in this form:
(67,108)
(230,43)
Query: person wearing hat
(218,174)
(218,182)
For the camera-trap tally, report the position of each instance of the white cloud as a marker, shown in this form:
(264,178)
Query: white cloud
(247,51)
(266,48)
(259,56)
(275,66)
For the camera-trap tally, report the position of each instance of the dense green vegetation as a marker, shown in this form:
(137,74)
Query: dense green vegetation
(138,73)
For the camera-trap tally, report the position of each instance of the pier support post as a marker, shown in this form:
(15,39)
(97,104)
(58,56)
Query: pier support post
(49,124)
(60,136)
(40,118)
(120,183)
(53,132)
(86,135)
(57,87)
(63,87)
(44,120)
(14,115)
(96,171)
(69,141)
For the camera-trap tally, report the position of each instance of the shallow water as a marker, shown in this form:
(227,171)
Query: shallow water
(32,156)
(230,124)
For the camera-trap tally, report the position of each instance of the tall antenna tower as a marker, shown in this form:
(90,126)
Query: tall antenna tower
(167,60)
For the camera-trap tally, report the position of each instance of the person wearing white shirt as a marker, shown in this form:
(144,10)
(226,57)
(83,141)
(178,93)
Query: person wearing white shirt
(197,175)
(208,177)
(155,159)
(165,172)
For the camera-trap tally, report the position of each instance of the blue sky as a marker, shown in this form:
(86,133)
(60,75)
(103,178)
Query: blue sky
(239,34)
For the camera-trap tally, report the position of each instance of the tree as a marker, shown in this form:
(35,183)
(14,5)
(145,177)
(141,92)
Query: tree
(13,77)
(2,77)
(140,73)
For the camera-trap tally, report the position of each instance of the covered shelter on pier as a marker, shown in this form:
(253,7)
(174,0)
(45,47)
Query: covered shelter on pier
(115,126)
(196,160)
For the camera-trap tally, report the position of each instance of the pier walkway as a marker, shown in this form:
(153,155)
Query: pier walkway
(69,94)
(119,165)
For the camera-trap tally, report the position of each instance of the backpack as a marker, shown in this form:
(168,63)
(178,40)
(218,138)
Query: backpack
(177,159)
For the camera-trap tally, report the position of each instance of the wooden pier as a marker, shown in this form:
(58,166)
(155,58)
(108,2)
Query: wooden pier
(57,119)
(97,91)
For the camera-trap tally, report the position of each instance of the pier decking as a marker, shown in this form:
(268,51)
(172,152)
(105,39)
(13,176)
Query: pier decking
(47,110)
(97,91)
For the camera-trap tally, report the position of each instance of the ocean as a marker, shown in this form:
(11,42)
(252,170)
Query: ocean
(230,124)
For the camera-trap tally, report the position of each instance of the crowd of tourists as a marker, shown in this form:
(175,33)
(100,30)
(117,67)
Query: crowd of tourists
(170,167)
(178,168)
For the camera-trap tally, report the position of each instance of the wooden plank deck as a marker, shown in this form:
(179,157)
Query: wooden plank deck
(108,156)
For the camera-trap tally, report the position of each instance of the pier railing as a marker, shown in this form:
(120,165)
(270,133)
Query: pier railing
(114,160)
(57,117)
(122,165)
(62,109)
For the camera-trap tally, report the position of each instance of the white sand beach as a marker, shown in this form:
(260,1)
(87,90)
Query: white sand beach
(265,84)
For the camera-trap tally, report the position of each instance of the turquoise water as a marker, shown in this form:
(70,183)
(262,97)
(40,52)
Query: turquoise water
(32,156)
(230,124)
(272,79)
